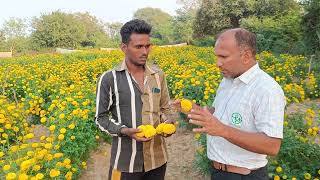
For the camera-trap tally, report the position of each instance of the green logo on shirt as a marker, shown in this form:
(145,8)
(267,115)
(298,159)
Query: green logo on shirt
(236,119)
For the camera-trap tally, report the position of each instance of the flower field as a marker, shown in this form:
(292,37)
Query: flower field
(57,94)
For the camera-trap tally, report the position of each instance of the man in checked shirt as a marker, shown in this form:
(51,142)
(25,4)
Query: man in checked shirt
(245,122)
(130,95)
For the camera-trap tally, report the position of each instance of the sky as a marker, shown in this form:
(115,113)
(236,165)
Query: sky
(105,10)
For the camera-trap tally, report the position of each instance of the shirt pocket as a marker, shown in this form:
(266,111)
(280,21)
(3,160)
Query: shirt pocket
(151,102)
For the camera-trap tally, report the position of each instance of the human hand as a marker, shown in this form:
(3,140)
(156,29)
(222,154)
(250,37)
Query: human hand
(132,132)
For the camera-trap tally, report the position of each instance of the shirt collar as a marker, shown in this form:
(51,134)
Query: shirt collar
(250,74)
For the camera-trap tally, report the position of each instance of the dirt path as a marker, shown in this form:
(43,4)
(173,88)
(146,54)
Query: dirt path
(181,149)
(302,107)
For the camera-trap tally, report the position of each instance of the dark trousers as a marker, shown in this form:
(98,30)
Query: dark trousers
(259,174)
(155,174)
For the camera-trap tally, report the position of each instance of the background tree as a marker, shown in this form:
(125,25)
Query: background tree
(95,36)
(160,21)
(310,24)
(14,35)
(215,15)
(183,21)
(58,29)
(113,31)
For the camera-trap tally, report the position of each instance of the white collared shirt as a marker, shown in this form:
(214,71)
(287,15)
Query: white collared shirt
(252,102)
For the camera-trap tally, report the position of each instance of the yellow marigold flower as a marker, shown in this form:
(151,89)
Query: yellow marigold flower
(169,128)
(142,128)
(49,139)
(39,176)
(25,165)
(63,130)
(307,176)
(97,137)
(54,173)
(30,153)
(1,154)
(68,176)
(284,177)
(71,126)
(186,105)
(8,126)
(84,163)
(293,178)
(6,167)
(159,128)
(36,168)
(66,161)
(34,145)
(58,155)
(61,137)
(61,116)
(23,176)
(43,119)
(197,136)
(72,137)
(279,169)
(15,129)
(276,177)
(52,127)
(150,131)
(48,146)
(11,176)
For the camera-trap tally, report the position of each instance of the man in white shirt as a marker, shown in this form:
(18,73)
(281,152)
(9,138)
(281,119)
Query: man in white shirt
(245,123)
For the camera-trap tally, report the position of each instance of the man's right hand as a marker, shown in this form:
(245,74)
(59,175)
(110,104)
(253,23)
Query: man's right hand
(131,132)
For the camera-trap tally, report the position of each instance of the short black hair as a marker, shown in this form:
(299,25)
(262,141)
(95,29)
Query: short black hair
(134,26)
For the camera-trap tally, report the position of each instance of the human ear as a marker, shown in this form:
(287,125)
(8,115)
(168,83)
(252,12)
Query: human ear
(123,47)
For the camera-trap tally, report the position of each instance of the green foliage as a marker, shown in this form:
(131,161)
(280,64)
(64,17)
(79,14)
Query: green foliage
(276,34)
(297,155)
(310,24)
(215,15)
(204,42)
(160,21)
(94,30)
(113,30)
(183,24)
(13,35)
(202,161)
(59,29)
